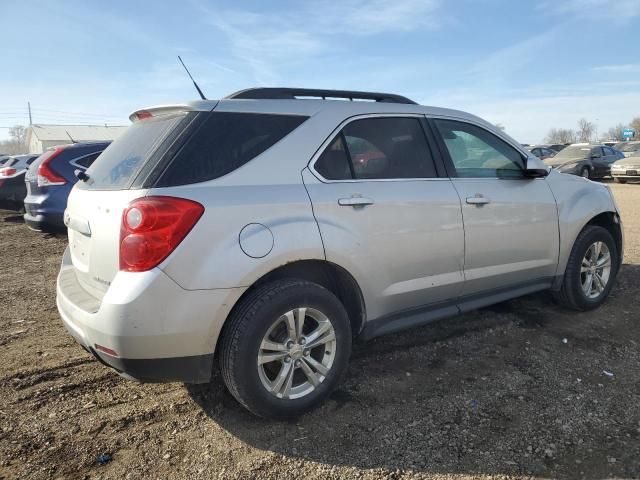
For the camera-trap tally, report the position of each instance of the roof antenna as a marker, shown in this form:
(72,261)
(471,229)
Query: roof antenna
(194,82)
(70,137)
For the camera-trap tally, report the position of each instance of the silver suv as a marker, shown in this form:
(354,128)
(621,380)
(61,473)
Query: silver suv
(270,229)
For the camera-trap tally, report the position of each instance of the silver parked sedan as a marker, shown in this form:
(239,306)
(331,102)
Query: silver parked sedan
(628,169)
(270,229)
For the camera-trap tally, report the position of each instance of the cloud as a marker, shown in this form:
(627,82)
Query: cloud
(269,44)
(624,68)
(528,118)
(380,16)
(495,68)
(611,10)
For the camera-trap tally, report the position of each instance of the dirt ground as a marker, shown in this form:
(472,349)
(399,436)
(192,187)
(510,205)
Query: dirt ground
(495,393)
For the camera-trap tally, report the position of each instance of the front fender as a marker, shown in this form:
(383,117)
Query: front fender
(579,200)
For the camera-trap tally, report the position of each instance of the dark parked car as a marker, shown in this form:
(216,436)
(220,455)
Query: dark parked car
(586,160)
(12,172)
(50,180)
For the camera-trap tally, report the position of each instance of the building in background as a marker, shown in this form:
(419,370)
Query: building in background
(41,136)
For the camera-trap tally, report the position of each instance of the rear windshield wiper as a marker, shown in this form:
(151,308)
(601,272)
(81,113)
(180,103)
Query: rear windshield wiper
(81,175)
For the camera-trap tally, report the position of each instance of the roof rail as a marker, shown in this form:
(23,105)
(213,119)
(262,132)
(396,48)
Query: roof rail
(294,93)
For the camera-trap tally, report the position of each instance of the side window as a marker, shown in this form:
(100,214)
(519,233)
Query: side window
(476,152)
(378,148)
(333,164)
(597,152)
(388,148)
(85,162)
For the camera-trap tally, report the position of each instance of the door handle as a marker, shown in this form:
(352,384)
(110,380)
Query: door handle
(355,202)
(478,200)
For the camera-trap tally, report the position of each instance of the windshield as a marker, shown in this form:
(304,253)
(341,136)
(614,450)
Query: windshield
(627,146)
(573,151)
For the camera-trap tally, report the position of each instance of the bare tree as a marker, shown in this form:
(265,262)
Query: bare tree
(615,133)
(560,135)
(17,141)
(586,129)
(635,124)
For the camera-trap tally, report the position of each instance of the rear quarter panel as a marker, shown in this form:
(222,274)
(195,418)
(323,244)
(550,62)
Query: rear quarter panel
(579,200)
(211,257)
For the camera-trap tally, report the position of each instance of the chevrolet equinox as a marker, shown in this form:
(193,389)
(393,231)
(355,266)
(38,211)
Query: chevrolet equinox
(268,230)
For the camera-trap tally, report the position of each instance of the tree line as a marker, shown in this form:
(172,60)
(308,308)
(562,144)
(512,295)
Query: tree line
(17,142)
(587,132)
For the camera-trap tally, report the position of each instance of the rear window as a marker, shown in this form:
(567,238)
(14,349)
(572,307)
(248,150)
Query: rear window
(224,142)
(121,162)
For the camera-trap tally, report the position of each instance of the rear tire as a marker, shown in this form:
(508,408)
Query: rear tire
(589,276)
(285,348)
(619,180)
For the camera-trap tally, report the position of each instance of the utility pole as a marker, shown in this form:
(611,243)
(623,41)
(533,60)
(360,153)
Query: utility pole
(29,107)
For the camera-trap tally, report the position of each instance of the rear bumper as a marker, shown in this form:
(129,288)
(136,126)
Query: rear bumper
(623,174)
(43,223)
(43,212)
(158,331)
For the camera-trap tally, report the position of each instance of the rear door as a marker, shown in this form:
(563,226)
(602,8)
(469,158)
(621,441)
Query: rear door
(510,221)
(599,161)
(386,216)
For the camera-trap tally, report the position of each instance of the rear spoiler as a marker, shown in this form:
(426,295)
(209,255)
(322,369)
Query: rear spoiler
(161,110)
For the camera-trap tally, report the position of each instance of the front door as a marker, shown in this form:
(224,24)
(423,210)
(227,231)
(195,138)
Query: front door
(510,221)
(385,216)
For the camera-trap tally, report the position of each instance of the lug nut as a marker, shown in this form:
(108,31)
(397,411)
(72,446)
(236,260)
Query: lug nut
(289,344)
(297,363)
(303,341)
(287,359)
(306,353)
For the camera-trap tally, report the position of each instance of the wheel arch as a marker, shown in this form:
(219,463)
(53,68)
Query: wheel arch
(610,221)
(331,276)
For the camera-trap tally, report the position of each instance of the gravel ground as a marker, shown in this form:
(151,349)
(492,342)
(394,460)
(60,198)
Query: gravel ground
(495,393)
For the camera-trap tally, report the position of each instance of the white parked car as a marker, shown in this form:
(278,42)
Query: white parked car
(268,230)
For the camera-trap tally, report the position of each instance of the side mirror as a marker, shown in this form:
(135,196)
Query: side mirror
(535,168)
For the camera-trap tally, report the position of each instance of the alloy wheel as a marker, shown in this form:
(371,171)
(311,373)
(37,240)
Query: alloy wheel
(296,353)
(595,270)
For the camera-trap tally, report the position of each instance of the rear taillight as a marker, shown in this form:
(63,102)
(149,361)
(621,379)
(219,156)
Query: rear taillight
(8,171)
(152,227)
(46,175)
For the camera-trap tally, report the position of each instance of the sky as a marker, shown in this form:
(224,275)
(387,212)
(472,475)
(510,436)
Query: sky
(528,64)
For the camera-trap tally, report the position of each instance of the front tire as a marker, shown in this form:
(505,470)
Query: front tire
(591,270)
(285,348)
(585,172)
(619,180)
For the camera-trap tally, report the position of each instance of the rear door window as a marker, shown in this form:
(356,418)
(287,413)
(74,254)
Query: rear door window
(378,148)
(334,163)
(224,142)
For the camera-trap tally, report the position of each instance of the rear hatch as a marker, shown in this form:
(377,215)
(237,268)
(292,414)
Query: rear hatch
(118,176)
